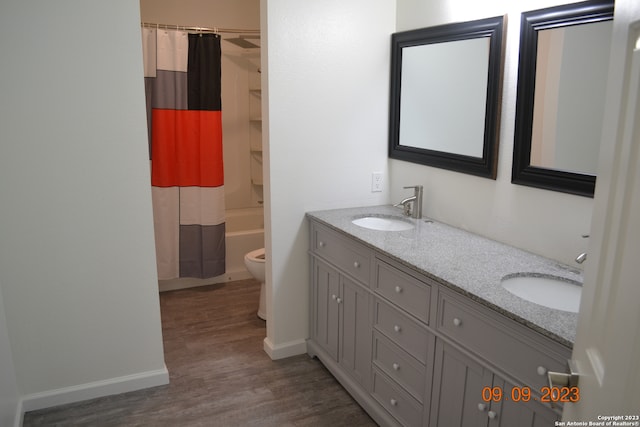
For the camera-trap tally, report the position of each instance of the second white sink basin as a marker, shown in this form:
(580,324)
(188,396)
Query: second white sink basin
(548,291)
(383,223)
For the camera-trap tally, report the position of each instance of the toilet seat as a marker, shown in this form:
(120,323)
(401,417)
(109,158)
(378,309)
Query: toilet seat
(257,255)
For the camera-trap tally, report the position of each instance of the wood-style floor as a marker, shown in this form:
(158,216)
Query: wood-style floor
(220,375)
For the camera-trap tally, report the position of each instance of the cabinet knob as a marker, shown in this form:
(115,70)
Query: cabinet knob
(393,402)
(492,414)
(395,366)
(338,300)
(397,328)
(321,244)
(398,289)
(482,407)
(542,370)
(356,264)
(333,296)
(457,322)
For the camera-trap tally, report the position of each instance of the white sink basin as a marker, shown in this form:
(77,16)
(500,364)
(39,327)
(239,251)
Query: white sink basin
(549,291)
(384,223)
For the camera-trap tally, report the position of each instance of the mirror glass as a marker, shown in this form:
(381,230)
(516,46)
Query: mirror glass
(568,106)
(432,108)
(562,77)
(445,93)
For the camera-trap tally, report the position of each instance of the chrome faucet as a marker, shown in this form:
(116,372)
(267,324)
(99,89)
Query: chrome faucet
(583,256)
(412,205)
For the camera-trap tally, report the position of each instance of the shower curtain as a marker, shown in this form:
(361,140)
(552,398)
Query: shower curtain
(182,82)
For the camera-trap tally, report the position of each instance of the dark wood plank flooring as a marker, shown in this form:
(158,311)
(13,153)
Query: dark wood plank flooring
(220,375)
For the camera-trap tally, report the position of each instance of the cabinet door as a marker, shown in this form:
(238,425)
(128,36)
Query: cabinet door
(457,389)
(355,330)
(515,410)
(326,288)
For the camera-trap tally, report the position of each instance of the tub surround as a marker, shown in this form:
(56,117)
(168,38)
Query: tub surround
(465,262)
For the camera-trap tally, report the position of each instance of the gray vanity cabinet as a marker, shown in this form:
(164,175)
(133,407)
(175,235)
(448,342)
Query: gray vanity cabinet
(525,414)
(403,343)
(458,385)
(480,348)
(354,346)
(457,389)
(326,288)
(341,309)
(414,352)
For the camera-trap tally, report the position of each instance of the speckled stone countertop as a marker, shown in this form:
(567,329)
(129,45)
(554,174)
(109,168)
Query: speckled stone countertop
(466,262)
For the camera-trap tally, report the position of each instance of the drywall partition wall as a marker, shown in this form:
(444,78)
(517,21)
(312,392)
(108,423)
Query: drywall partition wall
(325,114)
(544,222)
(77,258)
(9,396)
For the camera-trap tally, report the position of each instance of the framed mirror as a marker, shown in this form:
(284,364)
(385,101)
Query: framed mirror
(562,77)
(445,96)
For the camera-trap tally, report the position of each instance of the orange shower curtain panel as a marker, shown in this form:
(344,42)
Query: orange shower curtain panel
(183,90)
(187,148)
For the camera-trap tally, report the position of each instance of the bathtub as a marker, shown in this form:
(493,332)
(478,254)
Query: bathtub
(244,232)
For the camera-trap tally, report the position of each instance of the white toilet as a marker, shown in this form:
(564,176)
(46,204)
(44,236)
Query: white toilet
(254,261)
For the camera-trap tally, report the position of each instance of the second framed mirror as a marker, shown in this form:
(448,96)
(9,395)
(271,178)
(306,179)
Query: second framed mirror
(562,77)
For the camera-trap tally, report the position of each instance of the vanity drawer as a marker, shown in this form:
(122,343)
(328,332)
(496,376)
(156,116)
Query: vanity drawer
(399,328)
(399,366)
(349,256)
(396,401)
(404,290)
(520,352)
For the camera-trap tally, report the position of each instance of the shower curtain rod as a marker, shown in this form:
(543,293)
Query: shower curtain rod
(214,30)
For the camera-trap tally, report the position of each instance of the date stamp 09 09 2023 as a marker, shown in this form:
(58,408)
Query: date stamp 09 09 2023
(558,394)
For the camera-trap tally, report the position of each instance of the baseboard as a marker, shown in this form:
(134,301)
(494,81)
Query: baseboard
(282,351)
(77,393)
(19,417)
(192,282)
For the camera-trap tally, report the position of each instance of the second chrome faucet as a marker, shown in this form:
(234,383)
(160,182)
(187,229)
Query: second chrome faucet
(412,205)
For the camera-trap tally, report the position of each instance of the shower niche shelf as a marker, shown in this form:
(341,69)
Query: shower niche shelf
(255,128)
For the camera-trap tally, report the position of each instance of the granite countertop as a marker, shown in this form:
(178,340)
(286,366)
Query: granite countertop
(466,262)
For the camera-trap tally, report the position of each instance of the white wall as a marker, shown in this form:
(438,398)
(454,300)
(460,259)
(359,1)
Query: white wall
(9,395)
(541,221)
(77,260)
(202,13)
(325,88)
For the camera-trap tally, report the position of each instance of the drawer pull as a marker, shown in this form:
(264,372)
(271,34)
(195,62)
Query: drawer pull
(482,407)
(356,264)
(395,366)
(321,244)
(398,289)
(457,322)
(492,414)
(393,402)
(397,328)
(542,370)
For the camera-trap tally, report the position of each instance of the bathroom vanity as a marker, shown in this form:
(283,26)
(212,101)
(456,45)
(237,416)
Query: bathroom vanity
(418,329)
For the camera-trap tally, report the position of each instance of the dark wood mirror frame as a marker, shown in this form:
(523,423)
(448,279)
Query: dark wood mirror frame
(486,165)
(531,22)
